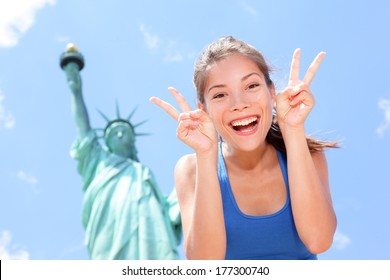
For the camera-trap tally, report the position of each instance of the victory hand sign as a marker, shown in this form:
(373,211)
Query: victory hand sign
(194,126)
(294,103)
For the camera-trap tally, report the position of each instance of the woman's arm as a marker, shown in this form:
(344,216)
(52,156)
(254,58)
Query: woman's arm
(311,202)
(200,201)
(196,180)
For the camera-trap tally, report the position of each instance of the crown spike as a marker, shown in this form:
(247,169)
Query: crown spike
(103,115)
(131,114)
(138,124)
(118,115)
(143,134)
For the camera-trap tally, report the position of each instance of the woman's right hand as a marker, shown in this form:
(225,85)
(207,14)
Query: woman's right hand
(194,128)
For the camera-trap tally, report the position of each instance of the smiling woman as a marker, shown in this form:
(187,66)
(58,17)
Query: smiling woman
(256,187)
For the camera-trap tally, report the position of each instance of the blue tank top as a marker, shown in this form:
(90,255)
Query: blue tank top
(267,237)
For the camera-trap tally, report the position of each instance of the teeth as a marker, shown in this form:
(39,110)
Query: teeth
(244,122)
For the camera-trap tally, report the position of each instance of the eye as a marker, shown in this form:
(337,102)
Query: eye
(253,86)
(218,95)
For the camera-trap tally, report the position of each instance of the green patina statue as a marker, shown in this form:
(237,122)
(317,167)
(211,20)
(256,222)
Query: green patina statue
(125,215)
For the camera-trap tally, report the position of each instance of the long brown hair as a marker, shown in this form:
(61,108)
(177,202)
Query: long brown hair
(229,45)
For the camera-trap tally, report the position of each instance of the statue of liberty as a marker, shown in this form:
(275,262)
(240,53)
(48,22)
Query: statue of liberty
(125,215)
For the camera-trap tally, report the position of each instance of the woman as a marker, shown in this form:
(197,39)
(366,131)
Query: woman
(262,191)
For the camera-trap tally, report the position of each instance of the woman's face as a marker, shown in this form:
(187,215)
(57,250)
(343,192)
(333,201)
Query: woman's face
(239,102)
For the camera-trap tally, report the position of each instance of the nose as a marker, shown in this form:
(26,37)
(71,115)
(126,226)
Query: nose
(238,102)
(120,134)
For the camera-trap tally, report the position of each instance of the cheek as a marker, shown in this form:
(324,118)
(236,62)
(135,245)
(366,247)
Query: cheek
(214,112)
(220,125)
(266,100)
(269,104)
(215,116)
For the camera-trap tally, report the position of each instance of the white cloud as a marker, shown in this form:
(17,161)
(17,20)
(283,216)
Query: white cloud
(173,53)
(29,179)
(16,17)
(13,253)
(7,120)
(341,241)
(151,40)
(176,52)
(384,104)
(171,50)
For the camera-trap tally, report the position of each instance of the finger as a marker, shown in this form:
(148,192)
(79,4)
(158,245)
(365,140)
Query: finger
(185,127)
(311,72)
(183,104)
(166,107)
(199,114)
(304,97)
(290,91)
(297,89)
(184,116)
(294,70)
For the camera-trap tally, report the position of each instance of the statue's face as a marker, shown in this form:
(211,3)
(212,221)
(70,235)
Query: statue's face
(120,139)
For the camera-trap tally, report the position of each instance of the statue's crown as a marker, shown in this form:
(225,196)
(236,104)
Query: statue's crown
(122,120)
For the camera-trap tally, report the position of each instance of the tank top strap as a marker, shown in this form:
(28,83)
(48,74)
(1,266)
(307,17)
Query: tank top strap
(222,172)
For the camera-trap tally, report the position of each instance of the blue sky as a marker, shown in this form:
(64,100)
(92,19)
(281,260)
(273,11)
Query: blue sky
(135,50)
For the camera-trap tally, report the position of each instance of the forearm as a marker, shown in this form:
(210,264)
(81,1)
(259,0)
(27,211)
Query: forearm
(79,109)
(207,237)
(311,204)
(80,114)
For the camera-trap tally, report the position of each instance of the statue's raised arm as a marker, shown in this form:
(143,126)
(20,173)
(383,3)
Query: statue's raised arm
(124,213)
(72,62)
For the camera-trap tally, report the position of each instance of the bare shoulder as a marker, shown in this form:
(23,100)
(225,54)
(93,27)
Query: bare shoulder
(186,162)
(185,172)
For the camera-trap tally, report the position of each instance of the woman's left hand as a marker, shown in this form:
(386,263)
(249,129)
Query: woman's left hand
(294,103)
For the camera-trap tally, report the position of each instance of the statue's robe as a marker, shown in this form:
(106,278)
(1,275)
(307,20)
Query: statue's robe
(125,215)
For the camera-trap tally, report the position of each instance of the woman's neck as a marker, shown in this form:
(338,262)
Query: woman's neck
(249,160)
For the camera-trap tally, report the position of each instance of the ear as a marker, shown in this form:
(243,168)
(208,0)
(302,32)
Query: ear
(200,106)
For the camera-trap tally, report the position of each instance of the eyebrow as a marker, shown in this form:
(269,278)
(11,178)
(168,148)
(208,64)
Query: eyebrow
(242,79)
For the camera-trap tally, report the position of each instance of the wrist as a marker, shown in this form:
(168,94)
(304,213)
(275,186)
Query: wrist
(293,136)
(208,155)
(288,130)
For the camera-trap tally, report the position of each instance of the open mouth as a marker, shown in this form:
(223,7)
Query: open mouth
(245,125)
